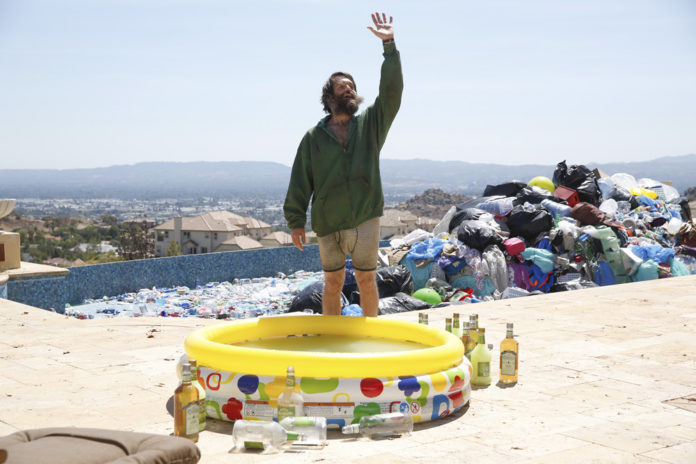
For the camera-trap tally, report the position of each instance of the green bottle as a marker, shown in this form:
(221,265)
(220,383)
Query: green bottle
(481,361)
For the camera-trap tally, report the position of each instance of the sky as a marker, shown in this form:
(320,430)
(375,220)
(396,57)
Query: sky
(96,83)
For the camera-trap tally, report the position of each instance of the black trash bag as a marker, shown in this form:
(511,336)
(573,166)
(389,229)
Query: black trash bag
(394,279)
(619,193)
(572,285)
(309,298)
(508,189)
(589,191)
(533,195)
(529,224)
(581,179)
(390,281)
(465,214)
(400,303)
(478,234)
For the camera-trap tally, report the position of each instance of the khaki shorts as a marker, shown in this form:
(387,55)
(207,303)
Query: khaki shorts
(361,242)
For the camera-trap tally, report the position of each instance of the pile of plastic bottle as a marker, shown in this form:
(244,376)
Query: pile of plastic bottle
(239,299)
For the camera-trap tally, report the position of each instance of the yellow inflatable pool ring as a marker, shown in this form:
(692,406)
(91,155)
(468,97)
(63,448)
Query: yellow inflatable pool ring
(213,346)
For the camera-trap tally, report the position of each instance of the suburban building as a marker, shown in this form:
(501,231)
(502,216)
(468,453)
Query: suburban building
(209,232)
(276,239)
(396,223)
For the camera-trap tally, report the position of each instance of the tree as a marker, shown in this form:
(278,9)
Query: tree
(173,249)
(109,219)
(134,242)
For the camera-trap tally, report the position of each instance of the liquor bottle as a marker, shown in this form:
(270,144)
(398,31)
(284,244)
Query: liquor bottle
(290,402)
(466,340)
(382,425)
(425,318)
(481,361)
(201,394)
(420,318)
(509,357)
(448,324)
(186,414)
(311,429)
(261,435)
(456,328)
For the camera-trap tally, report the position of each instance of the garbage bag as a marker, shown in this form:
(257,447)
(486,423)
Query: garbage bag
(507,189)
(401,302)
(466,214)
(528,223)
(581,179)
(685,208)
(578,284)
(309,298)
(533,195)
(394,279)
(478,234)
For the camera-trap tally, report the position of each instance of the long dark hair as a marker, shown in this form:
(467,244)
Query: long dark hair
(328,90)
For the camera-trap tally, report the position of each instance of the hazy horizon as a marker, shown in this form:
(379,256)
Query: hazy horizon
(117,82)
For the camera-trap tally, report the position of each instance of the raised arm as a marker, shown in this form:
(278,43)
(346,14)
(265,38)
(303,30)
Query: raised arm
(383,29)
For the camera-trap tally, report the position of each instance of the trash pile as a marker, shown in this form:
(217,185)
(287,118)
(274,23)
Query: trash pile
(582,229)
(578,230)
(242,298)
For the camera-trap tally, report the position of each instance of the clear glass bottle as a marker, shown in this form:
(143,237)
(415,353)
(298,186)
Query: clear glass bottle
(481,361)
(261,435)
(448,324)
(425,318)
(456,327)
(509,357)
(186,413)
(195,380)
(311,429)
(473,334)
(290,401)
(382,425)
(466,341)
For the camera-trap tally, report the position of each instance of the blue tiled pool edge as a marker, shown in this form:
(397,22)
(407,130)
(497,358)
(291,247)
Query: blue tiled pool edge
(95,281)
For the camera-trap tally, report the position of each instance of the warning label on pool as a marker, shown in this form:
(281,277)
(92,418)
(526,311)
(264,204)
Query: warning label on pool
(329,409)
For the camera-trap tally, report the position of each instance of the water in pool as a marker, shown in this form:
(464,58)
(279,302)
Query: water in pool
(333,344)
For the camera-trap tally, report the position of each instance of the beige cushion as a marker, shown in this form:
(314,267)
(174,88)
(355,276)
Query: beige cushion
(69,445)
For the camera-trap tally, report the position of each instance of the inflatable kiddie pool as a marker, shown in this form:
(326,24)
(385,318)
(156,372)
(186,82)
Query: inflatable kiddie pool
(407,365)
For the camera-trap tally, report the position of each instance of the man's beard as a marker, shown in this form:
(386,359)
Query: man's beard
(347,105)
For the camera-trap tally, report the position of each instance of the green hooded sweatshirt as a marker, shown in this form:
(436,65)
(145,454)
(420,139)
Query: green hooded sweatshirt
(345,184)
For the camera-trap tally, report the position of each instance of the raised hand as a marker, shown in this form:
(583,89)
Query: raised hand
(384,29)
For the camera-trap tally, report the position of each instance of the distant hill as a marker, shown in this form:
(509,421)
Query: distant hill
(433,203)
(231,179)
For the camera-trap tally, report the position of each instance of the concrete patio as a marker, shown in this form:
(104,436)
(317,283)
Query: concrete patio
(607,375)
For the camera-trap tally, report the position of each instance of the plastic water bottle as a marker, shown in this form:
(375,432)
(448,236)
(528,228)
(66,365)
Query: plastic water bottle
(556,209)
(261,435)
(352,310)
(382,425)
(312,430)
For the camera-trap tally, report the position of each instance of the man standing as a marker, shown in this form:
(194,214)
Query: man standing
(337,166)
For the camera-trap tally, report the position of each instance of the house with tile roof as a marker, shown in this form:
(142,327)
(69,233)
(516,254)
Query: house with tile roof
(207,232)
(397,222)
(276,239)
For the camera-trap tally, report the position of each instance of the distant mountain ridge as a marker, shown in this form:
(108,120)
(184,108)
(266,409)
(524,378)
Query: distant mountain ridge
(230,179)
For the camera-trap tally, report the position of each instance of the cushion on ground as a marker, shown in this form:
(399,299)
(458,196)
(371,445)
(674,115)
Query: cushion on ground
(70,445)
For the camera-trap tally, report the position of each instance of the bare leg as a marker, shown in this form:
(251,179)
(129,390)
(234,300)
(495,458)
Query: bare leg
(369,296)
(331,299)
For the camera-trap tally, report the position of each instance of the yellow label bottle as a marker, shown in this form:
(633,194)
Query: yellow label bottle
(509,357)
(186,411)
